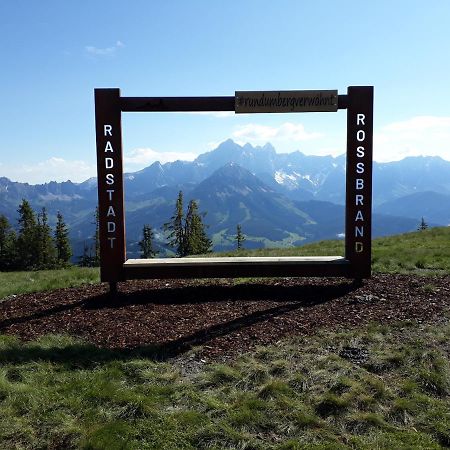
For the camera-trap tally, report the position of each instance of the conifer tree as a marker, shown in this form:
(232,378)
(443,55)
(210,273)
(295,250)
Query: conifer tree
(423,225)
(7,245)
(197,242)
(176,229)
(86,259)
(240,238)
(62,242)
(96,257)
(27,239)
(46,250)
(146,244)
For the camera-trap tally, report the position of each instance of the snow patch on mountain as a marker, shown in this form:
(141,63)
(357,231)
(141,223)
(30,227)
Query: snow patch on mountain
(61,197)
(284,178)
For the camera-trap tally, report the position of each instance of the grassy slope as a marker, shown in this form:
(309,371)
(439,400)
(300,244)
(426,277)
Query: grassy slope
(62,393)
(16,283)
(418,252)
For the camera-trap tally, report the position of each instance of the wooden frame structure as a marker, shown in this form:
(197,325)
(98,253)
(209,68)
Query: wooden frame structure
(109,106)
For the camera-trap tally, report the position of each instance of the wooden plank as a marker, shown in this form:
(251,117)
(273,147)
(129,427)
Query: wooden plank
(236,267)
(184,104)
(259,260)
(176,104)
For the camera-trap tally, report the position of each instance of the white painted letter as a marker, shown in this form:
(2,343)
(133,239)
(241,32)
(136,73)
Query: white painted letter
(360,152)
(111,240)
(111,227)
(109,163)
(109,178)
(111,212)
(360,167)
(110,192)
(360,119)
(359,216)
(359,199)
(107,130)
(108,147)
(359,183)
(360,135)
(358,247)
(359,231)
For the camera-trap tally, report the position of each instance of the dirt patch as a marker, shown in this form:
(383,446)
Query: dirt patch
(167,318)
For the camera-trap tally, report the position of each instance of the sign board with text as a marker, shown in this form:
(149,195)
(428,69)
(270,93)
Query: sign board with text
(286,101)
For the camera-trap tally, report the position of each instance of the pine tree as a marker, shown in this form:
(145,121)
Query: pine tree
(176,229)
(97,238)
(146,244)
(423,225)
(86,259)
(96,256)
(197,242)
(62,242)
(46,250)
(240,238)
(187,234)
(7,245)
(27,239)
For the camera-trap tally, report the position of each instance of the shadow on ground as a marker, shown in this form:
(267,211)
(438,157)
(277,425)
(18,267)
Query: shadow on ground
(83,355)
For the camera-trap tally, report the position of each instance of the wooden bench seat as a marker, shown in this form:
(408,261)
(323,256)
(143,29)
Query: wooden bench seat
(288,266)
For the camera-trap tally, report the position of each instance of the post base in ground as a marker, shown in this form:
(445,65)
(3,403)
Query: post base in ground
(357,282)
(113,288)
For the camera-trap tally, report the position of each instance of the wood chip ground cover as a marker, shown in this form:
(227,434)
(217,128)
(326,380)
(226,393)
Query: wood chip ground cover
(221,318)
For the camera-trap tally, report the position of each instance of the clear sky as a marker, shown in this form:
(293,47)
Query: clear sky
(54,53)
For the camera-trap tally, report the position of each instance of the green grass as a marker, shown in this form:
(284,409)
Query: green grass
(62,393)
(423,252)
(15,283)
(59,392)
(419,252)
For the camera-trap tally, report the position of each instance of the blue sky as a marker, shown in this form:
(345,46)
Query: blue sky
(54,53)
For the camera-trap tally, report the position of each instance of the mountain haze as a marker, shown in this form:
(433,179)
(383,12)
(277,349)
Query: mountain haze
(278,199)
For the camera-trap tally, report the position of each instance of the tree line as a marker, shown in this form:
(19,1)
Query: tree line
(186,232)
(34,245)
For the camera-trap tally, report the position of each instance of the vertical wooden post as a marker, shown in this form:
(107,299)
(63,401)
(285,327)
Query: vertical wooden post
(110,184)
(358,212)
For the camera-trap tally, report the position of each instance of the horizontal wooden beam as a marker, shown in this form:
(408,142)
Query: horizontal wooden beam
(186,104)
(174,104)
(237,267)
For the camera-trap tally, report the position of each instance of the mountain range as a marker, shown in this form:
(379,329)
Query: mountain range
(278,199)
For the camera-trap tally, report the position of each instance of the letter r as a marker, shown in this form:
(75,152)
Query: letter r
(107,130)
(360,119)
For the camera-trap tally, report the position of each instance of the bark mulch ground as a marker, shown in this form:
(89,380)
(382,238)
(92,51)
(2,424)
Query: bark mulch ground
(169,317)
